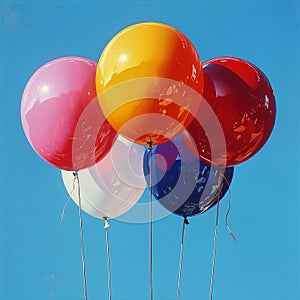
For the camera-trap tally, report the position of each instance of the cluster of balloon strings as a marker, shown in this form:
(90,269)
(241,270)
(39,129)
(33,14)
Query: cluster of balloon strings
(78,115)
(176,174)
(106,226)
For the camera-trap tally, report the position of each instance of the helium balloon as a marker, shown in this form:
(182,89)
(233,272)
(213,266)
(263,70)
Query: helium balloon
(242,107)
(190,187)
(148,80)
(112,186)
(61,116)
(163,161)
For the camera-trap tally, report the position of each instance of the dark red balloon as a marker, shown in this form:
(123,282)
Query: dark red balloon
(243,109)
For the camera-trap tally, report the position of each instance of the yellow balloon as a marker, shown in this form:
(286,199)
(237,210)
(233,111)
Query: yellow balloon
(149,79)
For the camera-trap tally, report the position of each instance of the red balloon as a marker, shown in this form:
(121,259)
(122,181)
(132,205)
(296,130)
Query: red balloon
(241,110)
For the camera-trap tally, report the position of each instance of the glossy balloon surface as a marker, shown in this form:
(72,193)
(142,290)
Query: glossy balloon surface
(243,102)
(144,80)
(190,186)
(61,116)
(112,186)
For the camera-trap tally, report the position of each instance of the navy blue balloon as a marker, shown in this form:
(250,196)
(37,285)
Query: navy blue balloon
(187,188)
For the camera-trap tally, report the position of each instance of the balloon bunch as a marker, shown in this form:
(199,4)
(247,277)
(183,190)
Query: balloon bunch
(64,124)
(149,88)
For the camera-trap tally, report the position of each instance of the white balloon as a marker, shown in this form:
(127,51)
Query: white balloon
(114,185)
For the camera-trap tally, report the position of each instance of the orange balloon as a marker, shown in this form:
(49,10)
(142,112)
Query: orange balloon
(149,79)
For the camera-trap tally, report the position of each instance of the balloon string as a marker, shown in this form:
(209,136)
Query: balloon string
(106,226)
(185,222)
(63,212)
(81,236)
(151,224)
(215,241)
(229,208)
(66,204)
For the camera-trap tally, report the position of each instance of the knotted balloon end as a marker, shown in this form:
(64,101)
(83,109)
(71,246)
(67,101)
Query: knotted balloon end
(106,224)
(150,143)
(186,221)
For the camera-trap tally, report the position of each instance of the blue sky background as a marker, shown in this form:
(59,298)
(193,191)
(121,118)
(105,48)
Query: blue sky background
(38,261)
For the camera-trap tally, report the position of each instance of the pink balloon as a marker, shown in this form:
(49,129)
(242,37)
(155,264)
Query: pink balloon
(61,116)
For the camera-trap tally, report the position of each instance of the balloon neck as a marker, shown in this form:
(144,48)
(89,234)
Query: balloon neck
(186,221)
(150,144)
(106,224)
(75,174)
